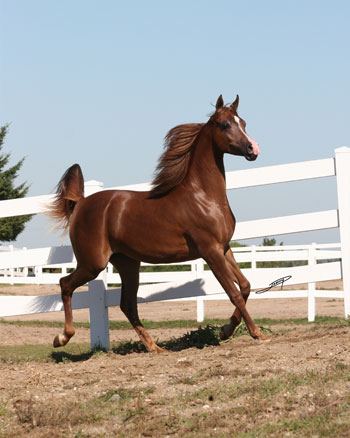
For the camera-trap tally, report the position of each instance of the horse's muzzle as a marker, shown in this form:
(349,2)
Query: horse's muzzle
(250,155)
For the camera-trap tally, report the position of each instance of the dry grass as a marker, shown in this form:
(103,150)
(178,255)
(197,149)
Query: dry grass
(308,405)
(208,391)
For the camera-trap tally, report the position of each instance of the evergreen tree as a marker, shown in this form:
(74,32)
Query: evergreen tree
(12,226)
(268,242)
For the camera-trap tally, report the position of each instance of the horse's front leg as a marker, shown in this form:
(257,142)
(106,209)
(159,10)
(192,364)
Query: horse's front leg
(222,269)
(244,286)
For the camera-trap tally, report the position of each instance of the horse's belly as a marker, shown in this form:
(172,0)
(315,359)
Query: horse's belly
(153,244)
(154,251)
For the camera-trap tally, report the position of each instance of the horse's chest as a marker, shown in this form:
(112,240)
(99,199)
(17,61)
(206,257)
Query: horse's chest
(228,225)
(218,223)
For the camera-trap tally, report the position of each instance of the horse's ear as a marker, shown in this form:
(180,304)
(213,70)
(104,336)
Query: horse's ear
(234,105)
(219,102)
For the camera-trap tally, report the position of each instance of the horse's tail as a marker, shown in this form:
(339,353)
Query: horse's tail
(70,190)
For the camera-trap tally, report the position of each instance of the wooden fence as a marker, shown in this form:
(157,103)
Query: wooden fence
(197,282)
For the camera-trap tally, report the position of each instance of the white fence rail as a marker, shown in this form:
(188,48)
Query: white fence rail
(41,266)
(198,282)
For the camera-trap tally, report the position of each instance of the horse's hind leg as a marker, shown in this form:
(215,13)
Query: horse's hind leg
(244,286)
(129,272)
(68,284)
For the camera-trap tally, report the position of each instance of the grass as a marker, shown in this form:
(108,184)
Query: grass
(37,417)
(214,400)
(72,352)
(245,406)
(320,320)
(120,325)
(183,323)
(201,337)
(265,405)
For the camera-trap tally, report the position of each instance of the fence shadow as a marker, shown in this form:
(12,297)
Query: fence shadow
(189,289)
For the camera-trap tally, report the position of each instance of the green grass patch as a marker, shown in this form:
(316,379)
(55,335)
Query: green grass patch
(200,337)
(24,353)
(183,323)
(322,320)
(121,325)
(72,352)
(37,323)
(3,409)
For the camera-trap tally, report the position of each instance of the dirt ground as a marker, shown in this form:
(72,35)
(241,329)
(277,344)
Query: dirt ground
(170,375)
(160,311)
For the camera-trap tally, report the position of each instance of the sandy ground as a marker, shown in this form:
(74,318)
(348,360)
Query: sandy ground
(158,311)
(292,349)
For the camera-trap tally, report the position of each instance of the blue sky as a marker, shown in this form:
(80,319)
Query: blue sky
(101,82)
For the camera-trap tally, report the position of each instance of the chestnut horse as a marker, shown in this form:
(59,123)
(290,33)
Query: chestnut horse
(186,215)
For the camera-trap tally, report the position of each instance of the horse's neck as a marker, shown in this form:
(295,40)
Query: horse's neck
(207,172)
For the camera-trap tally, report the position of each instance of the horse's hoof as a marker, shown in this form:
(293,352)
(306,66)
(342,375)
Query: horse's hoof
(155,349)
(223,334)
(59,341)
(263,338)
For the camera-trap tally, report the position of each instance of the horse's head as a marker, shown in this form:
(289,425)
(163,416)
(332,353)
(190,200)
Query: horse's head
(229,131)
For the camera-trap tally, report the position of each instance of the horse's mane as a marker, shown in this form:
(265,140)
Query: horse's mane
(173,163)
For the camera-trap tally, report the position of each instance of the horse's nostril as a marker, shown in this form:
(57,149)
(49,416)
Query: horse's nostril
(250,149)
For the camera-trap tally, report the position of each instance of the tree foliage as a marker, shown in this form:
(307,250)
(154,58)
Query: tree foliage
(10,227)
(270,242)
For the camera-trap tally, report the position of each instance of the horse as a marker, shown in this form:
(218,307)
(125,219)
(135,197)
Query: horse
(185,216)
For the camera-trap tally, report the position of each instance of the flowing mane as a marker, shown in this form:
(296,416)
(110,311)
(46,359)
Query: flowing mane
(173,163)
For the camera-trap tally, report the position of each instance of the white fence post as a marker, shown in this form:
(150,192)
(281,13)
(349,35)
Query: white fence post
(342,163)
(38,271)
(200,300)
(199,268)
(25,269)
(200,309)
(99,323)
(253,253)
(11,271)
(311,309)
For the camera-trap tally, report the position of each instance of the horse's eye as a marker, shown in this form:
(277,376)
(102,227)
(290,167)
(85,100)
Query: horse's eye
(225,124)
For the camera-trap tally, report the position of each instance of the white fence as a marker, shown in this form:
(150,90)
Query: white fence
(199,283)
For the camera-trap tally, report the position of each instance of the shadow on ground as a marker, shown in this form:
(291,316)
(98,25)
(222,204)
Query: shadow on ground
(199,338)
